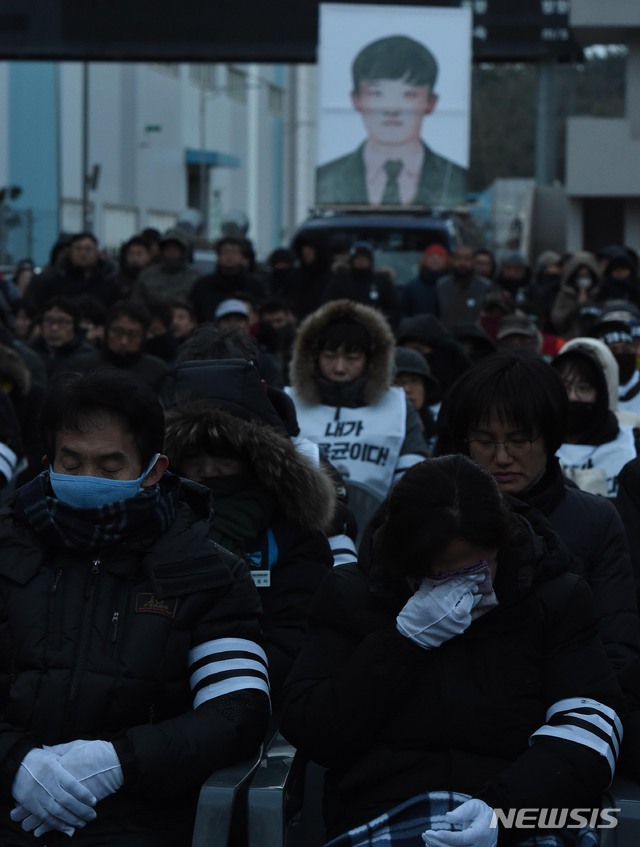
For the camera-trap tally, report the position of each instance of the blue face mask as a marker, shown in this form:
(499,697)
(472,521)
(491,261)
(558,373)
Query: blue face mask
(90,492)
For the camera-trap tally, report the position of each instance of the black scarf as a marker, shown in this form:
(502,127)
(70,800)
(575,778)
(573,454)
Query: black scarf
(242,510)
(135,521)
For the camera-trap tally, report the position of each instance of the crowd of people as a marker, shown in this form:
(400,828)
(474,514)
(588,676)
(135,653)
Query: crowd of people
(395,523)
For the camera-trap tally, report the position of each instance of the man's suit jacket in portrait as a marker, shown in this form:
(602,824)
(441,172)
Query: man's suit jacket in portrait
(343,181)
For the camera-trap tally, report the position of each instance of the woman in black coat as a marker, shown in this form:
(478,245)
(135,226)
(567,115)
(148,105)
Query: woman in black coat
(463,657)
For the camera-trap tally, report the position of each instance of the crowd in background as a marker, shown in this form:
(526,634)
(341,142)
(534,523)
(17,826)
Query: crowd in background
(300,390)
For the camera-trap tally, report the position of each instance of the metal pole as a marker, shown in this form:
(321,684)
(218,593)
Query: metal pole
(85,146)
(3,232)
(545,166)
(203,160)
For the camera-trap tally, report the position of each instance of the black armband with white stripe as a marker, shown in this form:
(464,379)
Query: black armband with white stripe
(343,549)
(587,722)
(224,665)
(8,463)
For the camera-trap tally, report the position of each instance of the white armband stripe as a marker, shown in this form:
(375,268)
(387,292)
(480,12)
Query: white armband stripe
(343,549)
(584,707)
(587,722)
(209,649)
(227,686)
(225,667)
(8,461)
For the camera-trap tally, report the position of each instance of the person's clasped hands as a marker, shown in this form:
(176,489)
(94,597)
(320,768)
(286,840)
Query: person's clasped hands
(442,608)
(57,787)
(475,827)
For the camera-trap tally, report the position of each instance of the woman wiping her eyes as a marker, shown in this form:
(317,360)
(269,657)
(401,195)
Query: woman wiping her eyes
(455,671)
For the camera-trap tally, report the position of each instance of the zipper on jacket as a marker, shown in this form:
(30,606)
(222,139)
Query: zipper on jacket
(85,630)
(114,626)
(56,580)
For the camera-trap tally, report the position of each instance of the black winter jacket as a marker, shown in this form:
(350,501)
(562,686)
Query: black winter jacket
(594,535)
(98,647)
(391,720)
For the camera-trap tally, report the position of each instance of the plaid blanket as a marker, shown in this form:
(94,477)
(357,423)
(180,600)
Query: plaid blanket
(403,826)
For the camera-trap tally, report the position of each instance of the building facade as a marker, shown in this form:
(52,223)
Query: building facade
(603,154)
(115,147)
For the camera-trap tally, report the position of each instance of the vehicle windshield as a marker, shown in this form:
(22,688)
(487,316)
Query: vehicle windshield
(397,249)
(404,264)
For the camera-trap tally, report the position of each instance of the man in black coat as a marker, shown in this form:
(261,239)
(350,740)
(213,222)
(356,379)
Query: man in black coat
(229,279)
(131,664)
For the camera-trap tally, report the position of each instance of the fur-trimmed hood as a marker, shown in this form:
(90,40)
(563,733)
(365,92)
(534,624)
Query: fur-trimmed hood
(579,260)
(380,365)
(302,491)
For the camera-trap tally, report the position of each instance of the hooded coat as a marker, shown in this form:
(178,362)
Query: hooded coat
(275,514)
(609,443)
(391,720)
(565,310)
(310,389)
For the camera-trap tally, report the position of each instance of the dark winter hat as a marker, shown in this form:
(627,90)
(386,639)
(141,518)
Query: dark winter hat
(280,256)
(233,385)
(475,334)
(176,236)
(546,258)
(620,310)
(516,325)
(409,361)
(612,331)
(361,248)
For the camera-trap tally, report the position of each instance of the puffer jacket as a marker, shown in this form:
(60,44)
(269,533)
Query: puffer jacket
(390,720)
(99,647)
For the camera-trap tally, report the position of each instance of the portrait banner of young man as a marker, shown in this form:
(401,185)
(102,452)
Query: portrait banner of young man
(394,105)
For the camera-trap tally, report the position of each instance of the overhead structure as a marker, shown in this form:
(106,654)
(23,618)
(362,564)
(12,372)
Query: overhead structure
(249,30)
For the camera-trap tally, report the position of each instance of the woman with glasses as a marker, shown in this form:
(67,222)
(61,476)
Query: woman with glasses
(508,413)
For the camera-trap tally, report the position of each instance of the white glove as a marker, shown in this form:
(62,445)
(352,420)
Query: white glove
(94,763)
(474,817)
(48,792)
(439,609)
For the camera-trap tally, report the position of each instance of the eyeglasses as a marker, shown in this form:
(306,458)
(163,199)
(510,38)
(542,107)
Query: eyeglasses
(517,446)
